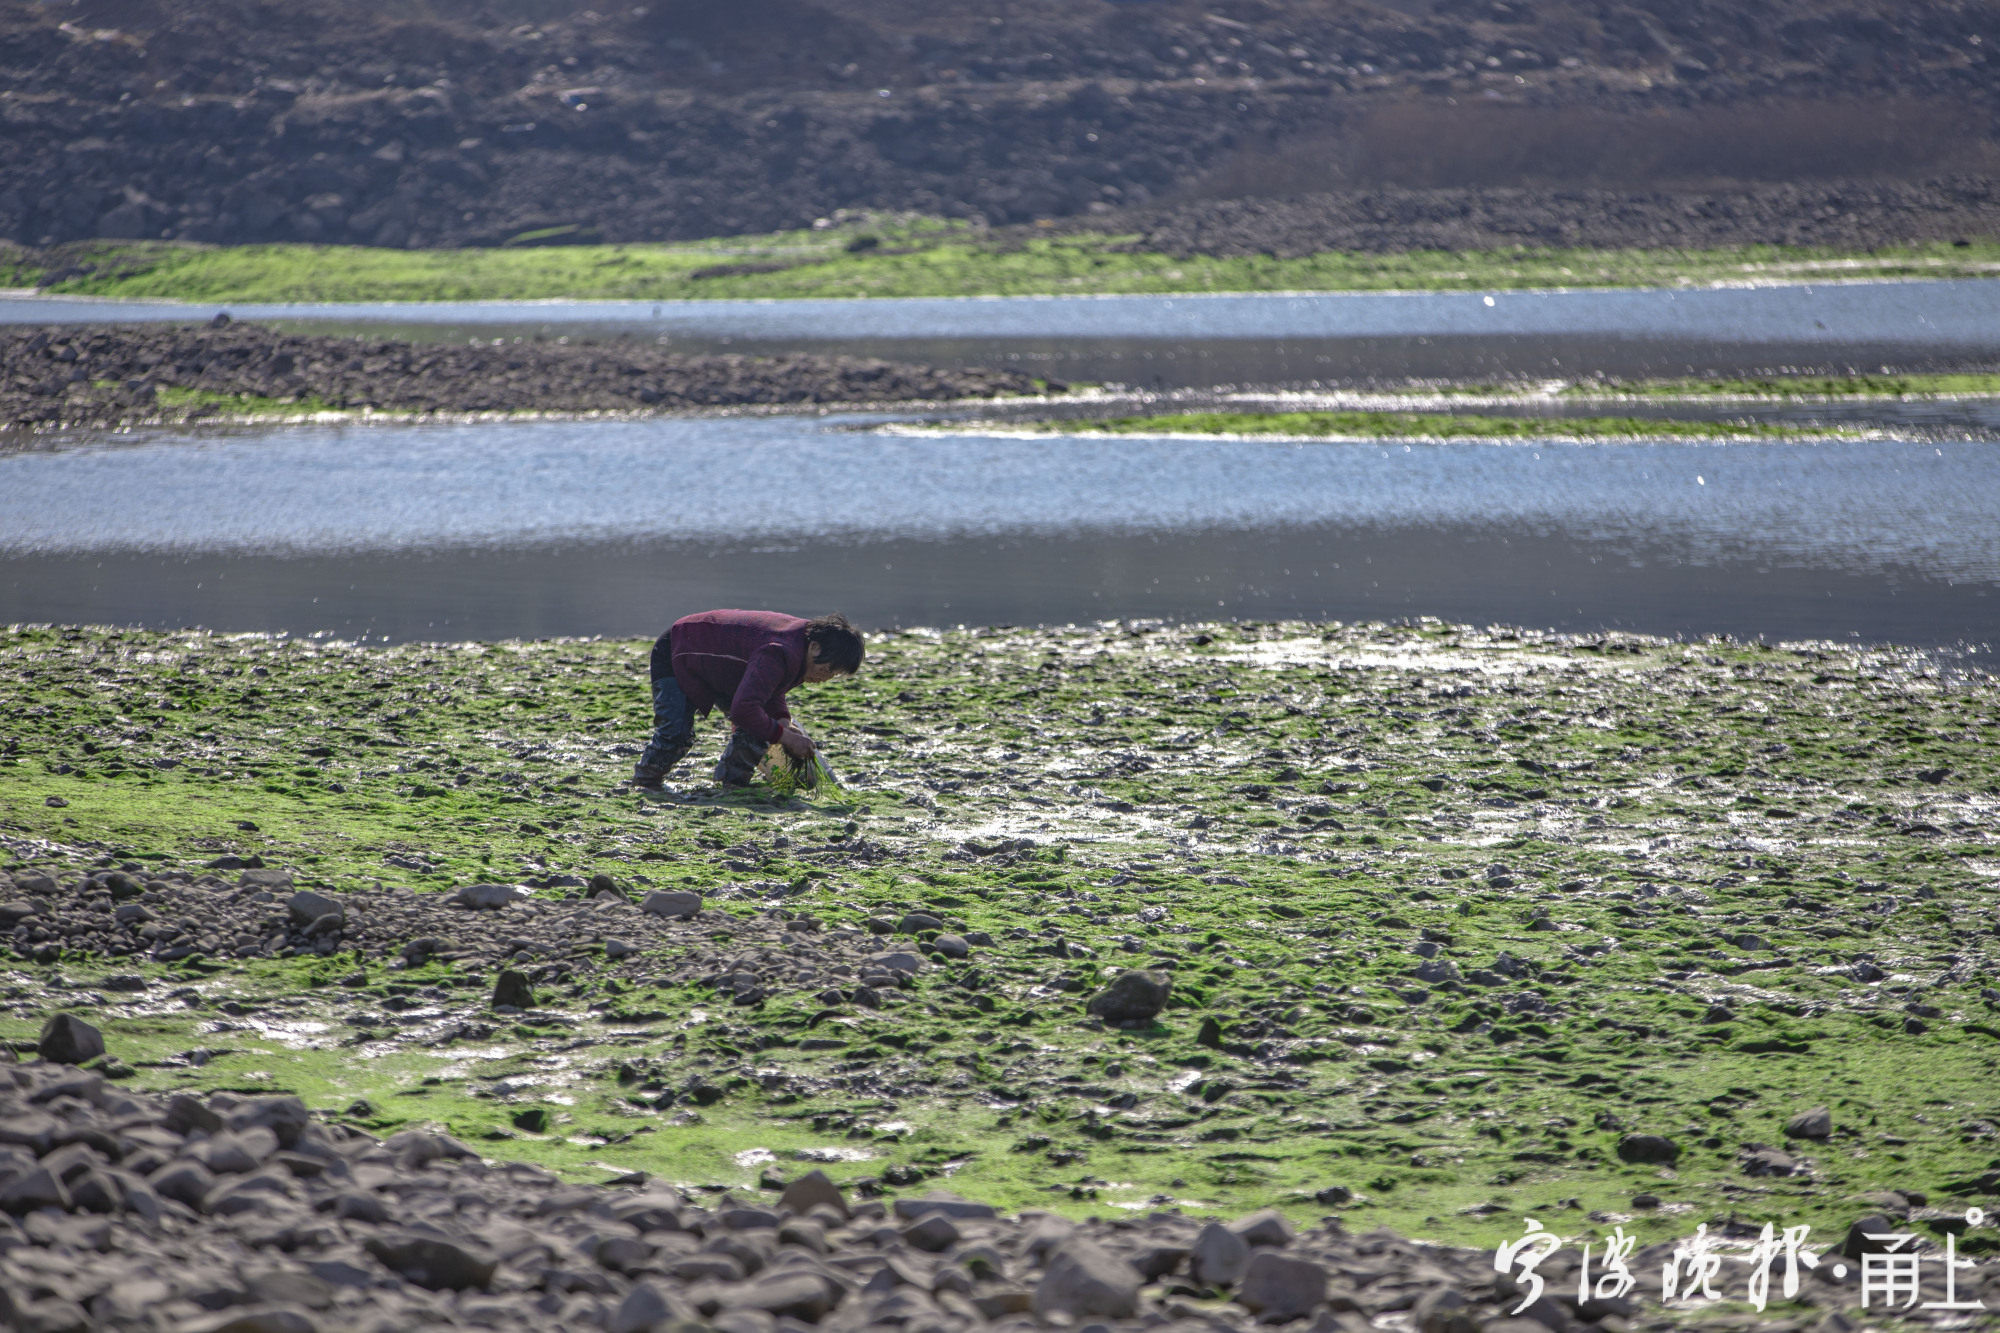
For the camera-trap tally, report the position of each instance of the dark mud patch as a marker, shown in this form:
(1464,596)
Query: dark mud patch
(122,375)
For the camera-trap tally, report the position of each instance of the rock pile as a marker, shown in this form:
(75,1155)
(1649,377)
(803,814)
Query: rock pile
(104,376)
(241,1214)
(249,1215)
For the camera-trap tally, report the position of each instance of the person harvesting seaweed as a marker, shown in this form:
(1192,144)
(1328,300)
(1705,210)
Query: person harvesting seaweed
(747,661)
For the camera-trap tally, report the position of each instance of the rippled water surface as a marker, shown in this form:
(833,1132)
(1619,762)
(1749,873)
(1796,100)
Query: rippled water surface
(577,527)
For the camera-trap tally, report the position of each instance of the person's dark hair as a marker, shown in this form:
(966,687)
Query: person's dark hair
(840,645)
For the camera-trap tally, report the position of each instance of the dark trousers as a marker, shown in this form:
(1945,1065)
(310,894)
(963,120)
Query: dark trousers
(673,734)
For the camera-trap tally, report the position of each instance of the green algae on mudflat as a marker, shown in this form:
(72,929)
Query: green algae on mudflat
(1429,425)
(1656,869)
(918,257)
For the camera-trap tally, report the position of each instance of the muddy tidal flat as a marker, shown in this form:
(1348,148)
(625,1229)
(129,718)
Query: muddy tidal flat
(1453,926)
(112,375)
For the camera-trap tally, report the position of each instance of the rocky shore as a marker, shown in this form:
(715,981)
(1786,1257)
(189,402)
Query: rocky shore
(248,1214)
(84,376)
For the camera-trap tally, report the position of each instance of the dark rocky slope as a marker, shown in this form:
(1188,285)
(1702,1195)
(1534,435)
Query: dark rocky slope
(452,123)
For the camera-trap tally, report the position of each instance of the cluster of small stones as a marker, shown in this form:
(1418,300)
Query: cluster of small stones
(665,936)
(112,375)
(250,1215)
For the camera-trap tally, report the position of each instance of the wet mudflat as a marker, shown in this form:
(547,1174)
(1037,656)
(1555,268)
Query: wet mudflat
(1460,924)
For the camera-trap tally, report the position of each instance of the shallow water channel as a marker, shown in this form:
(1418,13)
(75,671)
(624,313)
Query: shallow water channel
(533,528)
(1201,340)
(471,531)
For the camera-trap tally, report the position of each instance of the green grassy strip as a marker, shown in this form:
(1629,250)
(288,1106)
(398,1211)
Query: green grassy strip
(192,404)
(913,259)
(1425,425)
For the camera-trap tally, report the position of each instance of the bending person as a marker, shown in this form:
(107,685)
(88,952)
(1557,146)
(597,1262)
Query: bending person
(748,660)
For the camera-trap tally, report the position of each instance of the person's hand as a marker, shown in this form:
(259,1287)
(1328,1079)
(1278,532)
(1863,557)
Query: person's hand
(797,744)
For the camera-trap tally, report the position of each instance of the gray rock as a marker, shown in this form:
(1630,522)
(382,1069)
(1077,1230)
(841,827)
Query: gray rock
(1136,996)
(1277,1289)
(185,1182)
(1220,1257)
(258,1319)
(617,949)
(1265,1228)
(1648,1148)
(266,878)
(1759,1160)
(489,897)
(1436,970)
(440,1265)
(1814,1124)
(649,1306)
(799,1294)
(933,1233)
(952,946)
(306,907)
(511,990)
(1861,1236)
(14,913)
(1443,1310)
(950,1205)
(915,922)
(814,1189)
(675,904)
(37,1188)
(906,963)
(68,1040)
(1083,1279)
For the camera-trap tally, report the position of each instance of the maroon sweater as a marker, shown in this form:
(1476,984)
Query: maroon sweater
(747,658)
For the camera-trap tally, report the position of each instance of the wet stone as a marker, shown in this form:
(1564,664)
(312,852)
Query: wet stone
(1648,1148)
(1133,997)
(512,991)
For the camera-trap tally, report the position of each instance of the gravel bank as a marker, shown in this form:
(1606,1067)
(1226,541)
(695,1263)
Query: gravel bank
(119,375)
